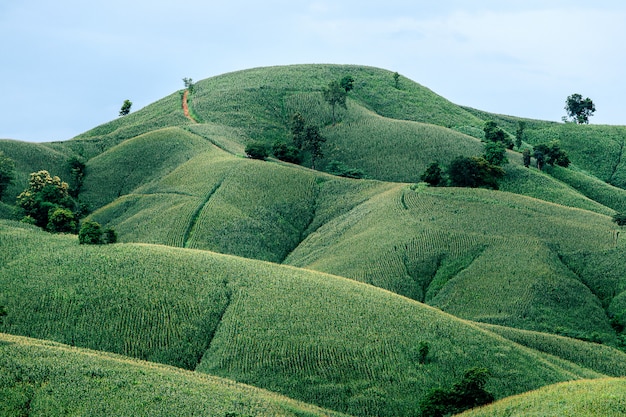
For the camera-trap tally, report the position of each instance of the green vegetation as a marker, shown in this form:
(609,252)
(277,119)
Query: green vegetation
(125,109)
(539,259)
(578,109)
(597,398)
(45,378)
(7,172)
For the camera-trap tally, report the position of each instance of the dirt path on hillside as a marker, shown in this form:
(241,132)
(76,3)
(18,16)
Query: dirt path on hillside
(186,107)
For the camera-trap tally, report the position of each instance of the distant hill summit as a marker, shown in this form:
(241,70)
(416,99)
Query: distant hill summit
(324,284)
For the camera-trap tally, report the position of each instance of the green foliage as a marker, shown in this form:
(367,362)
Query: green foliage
(526,157)
(189,85)
(47,200)
(620,219)
(433,175)
(340,169)
(77,169)
(3,313)
(287,153)
(495,134)
(257,150)
(495,153)
(125,107)
(578,109)
(347,83)
(335,94)
(474,172)
(519,133)
(313,141)
(396,80)
(466,394)
(61,220)
(552,154)
(90,233)
(422,352)
(7,172)
(109,236)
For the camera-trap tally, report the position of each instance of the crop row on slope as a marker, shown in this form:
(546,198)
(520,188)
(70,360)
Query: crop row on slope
(595,398)
(50,379)
(440,245)
(318,338)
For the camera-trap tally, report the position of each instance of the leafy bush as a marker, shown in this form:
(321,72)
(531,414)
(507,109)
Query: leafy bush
(256,150)
(620,219)
(287,153)
(462,396)
(341,170)
(61,220)
(90,233)
(433,175)
(474,172)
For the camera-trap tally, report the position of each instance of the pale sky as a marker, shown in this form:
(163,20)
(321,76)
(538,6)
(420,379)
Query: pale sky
(68,65)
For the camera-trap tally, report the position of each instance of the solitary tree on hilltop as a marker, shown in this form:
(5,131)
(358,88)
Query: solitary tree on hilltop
(126,107)
(188,84)
(579,110)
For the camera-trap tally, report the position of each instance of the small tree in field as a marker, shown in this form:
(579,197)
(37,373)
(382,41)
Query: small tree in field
(396,80)
(3,313)
(61,220)
(313,141)
(125,107)
(335,95)
(495,153)
(526,157)
(578,109)
(519,133)
(433,175)
(188,84)
(90,233)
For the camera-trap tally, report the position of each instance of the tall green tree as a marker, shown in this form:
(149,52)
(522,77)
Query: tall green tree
(519,133)
(126,107)
(298,125)
(578,109)
(335,95)
(7,172)
(493,133)
(473,172)
(433,175)
(495,153)
(43,195)
(313,143)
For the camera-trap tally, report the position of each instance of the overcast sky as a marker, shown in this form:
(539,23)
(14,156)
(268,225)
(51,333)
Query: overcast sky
(67,65)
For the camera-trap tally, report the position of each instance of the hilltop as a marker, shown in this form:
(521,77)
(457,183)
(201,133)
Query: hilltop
(317,286)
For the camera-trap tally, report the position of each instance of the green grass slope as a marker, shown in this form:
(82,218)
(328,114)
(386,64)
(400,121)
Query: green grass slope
(479,254)
(42,378)
(318,338)
(597,398)
(32,157)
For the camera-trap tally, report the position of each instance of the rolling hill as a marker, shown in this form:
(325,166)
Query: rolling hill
(320,287)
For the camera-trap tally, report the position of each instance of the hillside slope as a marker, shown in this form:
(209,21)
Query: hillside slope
(314,337)
(41,378)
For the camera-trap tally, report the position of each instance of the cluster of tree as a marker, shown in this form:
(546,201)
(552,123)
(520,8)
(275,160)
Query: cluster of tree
(550,154)
(305,138)
(47,203)
(468,393)
(92,233)
(472,171)
(578,109)
(495,134)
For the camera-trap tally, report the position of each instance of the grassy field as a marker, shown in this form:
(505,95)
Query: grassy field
(42,378)
(314,337)
(597,398)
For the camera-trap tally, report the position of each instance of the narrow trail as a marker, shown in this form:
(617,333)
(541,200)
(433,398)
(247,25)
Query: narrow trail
(186,107)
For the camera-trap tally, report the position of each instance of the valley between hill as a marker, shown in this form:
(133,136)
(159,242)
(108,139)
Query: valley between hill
(308,285)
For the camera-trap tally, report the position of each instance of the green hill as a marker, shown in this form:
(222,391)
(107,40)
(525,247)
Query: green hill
(49,379)
(191,283)
(314,337)
(597,398)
